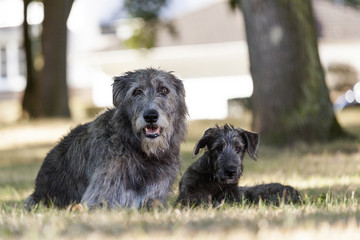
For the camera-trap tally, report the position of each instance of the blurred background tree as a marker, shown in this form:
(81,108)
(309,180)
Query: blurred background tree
(46,93)
(54,94)
(30,102)
(290,100)
(148,11)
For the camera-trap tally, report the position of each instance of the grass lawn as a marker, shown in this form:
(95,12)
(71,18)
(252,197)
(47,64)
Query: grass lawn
(327,175)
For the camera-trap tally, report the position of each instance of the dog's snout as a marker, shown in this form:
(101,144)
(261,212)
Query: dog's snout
(151,116)
(231,171)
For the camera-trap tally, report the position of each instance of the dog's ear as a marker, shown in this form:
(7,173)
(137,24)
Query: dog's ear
(252,141)
(204,140)
(119,89)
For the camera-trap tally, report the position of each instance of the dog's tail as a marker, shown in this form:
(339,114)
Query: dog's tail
(30,202)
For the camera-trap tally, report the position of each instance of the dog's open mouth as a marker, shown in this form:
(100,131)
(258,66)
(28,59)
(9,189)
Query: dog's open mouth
(152,131)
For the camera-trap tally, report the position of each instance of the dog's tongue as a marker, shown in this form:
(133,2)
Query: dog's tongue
(152,131)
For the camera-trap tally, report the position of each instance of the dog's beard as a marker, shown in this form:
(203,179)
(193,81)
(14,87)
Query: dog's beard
(154,146)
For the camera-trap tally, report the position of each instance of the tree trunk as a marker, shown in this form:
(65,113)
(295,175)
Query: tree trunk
(31,99)
(290,100)
(54,94)
(47,95)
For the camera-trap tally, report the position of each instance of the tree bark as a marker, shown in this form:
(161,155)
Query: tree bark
(30,103)
(46,94)
(290,100)
(54,93)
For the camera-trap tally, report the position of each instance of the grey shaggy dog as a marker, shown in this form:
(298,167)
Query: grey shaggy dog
(214,177)
(129,156)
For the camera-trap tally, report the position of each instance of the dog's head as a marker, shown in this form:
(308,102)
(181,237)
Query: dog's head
(226,147)
(153,101)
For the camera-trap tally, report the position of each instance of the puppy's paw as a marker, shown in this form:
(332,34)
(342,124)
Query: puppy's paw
(78,207)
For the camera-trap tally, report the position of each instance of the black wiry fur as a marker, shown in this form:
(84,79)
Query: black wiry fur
(111,161)
(270,193)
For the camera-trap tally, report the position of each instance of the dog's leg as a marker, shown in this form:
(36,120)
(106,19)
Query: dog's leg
(30,202)
(233,195)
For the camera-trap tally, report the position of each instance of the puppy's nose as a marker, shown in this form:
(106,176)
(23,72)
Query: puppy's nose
(230,171)
(151,116)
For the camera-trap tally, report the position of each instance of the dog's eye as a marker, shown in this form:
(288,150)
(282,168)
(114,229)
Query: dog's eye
(219,148)
(164,90)
(238,149)
(137,92)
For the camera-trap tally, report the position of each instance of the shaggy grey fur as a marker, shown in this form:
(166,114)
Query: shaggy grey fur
(129,156)
(214,177)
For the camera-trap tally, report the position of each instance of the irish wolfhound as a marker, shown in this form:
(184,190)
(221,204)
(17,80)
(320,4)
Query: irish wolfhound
(129,156)
(214,177)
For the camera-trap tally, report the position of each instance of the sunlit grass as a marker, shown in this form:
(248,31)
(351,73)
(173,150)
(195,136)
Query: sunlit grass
(227,222)
(327,175)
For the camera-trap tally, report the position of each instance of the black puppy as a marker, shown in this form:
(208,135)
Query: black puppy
(214,177)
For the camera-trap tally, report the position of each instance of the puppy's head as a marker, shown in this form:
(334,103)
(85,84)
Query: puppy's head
(226,147)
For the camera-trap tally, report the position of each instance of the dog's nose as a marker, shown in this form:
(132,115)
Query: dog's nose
(230,171)
(151,116)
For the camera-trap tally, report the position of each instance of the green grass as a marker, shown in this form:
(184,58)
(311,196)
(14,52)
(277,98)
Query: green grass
(327,175)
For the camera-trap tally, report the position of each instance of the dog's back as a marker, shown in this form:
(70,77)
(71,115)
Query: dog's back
(270,193)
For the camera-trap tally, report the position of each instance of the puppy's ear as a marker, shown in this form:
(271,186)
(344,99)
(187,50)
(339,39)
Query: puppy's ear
(204,140)
(119,89)
(252,140)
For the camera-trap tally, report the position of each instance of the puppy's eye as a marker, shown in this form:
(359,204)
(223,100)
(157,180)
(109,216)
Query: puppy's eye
(219,148)
(238,149)
(137,92)
(164,90)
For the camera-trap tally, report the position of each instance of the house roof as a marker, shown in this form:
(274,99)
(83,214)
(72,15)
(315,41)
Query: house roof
(211,24)
(218,23)
(337,22)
